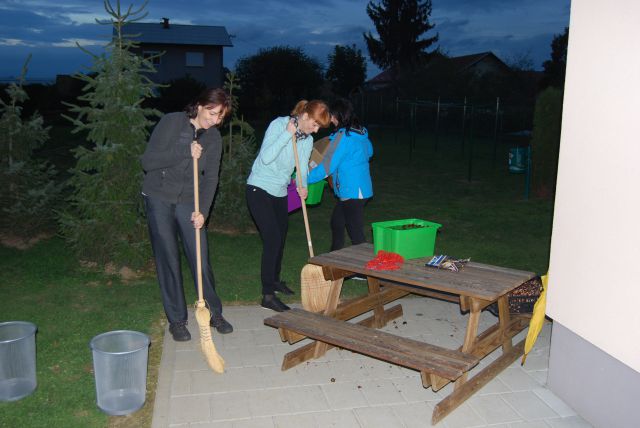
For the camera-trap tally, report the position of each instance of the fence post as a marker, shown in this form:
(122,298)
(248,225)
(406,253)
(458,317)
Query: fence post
(495,133)
(471,118)
(437,124)
(464,120)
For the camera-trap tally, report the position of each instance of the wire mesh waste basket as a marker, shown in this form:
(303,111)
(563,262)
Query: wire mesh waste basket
(120,369)
(17,360)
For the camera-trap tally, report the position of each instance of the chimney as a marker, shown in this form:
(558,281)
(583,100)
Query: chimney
(165,22)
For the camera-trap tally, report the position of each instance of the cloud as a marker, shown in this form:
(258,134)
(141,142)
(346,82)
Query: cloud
(71,43)
(13,42)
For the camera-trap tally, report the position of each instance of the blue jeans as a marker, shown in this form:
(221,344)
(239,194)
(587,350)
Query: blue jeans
(169,223)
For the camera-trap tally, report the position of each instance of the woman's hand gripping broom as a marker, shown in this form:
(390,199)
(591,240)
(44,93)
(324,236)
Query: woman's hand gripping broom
(203,316)
(314,289)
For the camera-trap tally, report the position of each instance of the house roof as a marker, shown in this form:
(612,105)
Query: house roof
(460,64)
(464,62)
(177,34)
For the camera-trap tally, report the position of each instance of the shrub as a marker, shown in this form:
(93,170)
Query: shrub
(29,193)
(545,143)
(239,149)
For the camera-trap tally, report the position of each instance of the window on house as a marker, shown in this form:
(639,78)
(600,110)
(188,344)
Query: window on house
(153,56)
(194,59)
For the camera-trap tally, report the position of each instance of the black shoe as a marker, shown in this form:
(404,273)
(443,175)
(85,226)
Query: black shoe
(281,287)
(221,325)
(270,301)
(179,331)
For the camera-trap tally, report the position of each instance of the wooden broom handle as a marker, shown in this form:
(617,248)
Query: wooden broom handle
(196,202)
(304,204)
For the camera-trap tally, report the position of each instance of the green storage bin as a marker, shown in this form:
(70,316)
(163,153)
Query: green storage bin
(315,190)
(399,237)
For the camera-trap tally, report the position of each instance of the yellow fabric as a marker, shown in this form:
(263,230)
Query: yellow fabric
(537,319)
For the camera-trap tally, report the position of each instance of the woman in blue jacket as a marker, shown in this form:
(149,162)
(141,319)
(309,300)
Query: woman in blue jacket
(347,162)
(267,188)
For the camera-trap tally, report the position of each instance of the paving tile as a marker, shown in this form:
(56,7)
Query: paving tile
(267,402)
(463,417)
(181,385)
(255,392)
(377,417)
(344,395)
(529,405)
(228,405)
(517,379)
(233,379)
(412,390)
(569,422)
(221,424)
(339,418)
(381,392)
(554,402)
(307,399)
(529,424)
(274,377)
(190,360)
(493,409)
(189,409)
(414,415)
(303,420)
(254,423)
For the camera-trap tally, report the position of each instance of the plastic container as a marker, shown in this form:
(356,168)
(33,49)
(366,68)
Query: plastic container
(17,360)
(120,369)
(412,238)
(315,190)
(518,158)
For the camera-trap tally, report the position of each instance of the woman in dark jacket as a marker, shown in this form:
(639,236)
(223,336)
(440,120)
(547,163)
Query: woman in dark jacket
(168,197)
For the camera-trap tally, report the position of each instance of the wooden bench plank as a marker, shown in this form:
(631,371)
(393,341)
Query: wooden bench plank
(410,353)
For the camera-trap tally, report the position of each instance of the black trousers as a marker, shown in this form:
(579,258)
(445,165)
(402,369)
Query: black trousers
(272,219)
(347,214)
(167,222)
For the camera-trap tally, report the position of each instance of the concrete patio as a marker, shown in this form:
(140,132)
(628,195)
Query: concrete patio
(344,389)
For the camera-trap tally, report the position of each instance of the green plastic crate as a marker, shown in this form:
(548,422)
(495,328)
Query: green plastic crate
(410,243)
(314,195)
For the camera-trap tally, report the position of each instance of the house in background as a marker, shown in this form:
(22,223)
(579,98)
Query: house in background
(475,65)
(189,50)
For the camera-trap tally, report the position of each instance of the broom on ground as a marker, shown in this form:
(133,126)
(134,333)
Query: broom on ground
(203,316)
(314,289)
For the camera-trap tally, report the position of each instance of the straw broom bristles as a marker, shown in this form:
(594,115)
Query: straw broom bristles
(214,359)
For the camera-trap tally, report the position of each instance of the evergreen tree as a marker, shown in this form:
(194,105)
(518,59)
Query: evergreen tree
(104,222)
(554,68)
(400,24)
(239,150)
(29,193)
(347,69)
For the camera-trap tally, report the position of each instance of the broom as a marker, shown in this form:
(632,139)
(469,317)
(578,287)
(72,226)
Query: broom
(314,289)
(203,316)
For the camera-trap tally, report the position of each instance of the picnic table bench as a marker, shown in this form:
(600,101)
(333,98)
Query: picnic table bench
(474,288)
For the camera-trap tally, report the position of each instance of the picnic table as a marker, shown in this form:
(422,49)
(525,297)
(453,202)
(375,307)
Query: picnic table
(474,287)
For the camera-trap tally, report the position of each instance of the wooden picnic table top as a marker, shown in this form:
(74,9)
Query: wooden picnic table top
(476,280)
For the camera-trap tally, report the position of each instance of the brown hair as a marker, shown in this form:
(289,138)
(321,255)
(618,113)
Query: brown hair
(210,97)
(316,109)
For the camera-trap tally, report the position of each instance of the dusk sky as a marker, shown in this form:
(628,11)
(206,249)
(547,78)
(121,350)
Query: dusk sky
(49,29)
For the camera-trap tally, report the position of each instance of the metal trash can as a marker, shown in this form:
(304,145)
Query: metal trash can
(120,369)
(17,360)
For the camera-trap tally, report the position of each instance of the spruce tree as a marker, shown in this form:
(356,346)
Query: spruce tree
(399,24)
(104,221)
(29,192)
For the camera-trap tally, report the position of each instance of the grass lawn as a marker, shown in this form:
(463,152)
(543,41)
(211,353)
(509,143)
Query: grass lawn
(486,219)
